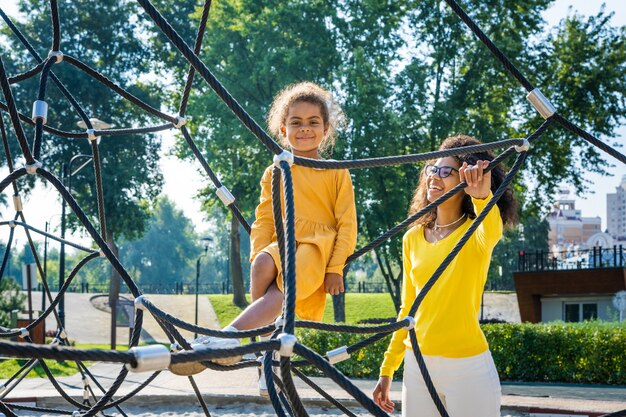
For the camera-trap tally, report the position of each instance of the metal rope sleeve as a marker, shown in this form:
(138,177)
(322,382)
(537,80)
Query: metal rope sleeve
(216,182)
(82,135)
(202,69)
(340,379)
(489,44)
(403,159)
(59,84)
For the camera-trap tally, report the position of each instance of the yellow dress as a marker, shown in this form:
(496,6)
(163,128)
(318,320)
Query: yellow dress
(325,226)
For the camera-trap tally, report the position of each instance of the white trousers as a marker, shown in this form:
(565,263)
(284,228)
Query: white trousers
(467,387)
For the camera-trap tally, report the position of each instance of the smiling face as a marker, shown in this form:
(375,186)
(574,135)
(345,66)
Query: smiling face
(437,186)
(304,129)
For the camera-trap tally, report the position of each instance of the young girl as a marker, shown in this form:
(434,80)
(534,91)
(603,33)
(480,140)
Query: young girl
(455,350)
(303,117)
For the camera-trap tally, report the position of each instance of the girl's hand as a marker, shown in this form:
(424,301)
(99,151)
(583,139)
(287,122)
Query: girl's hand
(333,283)
(381,394)
(478,182)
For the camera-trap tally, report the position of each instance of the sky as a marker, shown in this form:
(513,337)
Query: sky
(183,179)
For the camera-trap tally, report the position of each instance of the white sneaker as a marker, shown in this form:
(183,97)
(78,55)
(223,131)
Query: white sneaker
(207,342)
(263,383)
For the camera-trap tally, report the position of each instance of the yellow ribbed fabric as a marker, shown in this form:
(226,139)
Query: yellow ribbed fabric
(326,228)
(447,319)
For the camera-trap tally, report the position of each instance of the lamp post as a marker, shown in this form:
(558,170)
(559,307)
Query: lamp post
(206,248)
(66,172)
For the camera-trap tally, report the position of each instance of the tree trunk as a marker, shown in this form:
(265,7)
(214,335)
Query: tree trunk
(239,292)
(114,292)
(339,307)
(393,282)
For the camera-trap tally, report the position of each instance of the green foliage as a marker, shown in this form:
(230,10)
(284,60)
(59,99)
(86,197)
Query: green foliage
(361,307)
(11,298)
(8,367)
(364,363)
(113,47)
(224,308)
(168,250)
(590,352)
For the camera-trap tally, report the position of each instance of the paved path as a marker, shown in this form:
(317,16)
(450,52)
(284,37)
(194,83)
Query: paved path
(87,324)
(240,386)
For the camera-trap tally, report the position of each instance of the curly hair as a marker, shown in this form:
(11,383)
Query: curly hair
(507,204)
(307,92)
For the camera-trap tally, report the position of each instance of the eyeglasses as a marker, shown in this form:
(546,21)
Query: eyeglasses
(443,172)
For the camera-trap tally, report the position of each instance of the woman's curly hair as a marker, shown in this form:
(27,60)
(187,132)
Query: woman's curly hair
(507,204)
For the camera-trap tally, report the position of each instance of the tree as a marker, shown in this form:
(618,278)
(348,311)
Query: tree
(103,36)
(167,251)
(11,298)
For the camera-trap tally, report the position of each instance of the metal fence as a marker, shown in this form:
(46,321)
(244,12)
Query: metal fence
(596,257)
(165,288)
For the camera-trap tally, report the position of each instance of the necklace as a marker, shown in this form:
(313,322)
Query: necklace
(441,226)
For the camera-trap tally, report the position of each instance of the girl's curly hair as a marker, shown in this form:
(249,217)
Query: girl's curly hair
(507,204)
(310,93)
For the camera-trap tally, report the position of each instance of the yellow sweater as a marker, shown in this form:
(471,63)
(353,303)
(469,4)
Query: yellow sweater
(326,228)
(447,319)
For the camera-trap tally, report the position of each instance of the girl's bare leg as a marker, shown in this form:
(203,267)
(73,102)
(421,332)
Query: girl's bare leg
(263,273)
(262,311)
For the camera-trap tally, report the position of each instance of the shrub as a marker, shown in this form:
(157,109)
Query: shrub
(591,352)
(11,299)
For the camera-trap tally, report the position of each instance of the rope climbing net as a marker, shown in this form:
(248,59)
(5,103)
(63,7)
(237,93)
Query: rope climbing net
(285,400)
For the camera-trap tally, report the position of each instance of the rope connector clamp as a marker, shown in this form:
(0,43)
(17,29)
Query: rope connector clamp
(12,224)
(150,358)
(32,168)
(63,335)
(40,111)
(101,252)
(283,156)
(338,355)
(17,202)
(525,146)
(411,324)
(58,55)
(140,302)
(280,322)
(180,122)
(175,347)
(225,195)
(287,342)
(23,333)
(541,103)
(91,134)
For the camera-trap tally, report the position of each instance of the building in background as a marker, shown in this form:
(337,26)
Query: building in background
(568,228)
(616,212)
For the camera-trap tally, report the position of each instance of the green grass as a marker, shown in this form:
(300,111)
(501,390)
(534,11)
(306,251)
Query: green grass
(358,307)
(9,367)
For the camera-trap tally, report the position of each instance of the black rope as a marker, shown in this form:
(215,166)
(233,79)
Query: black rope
(202,69)
(489,44)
